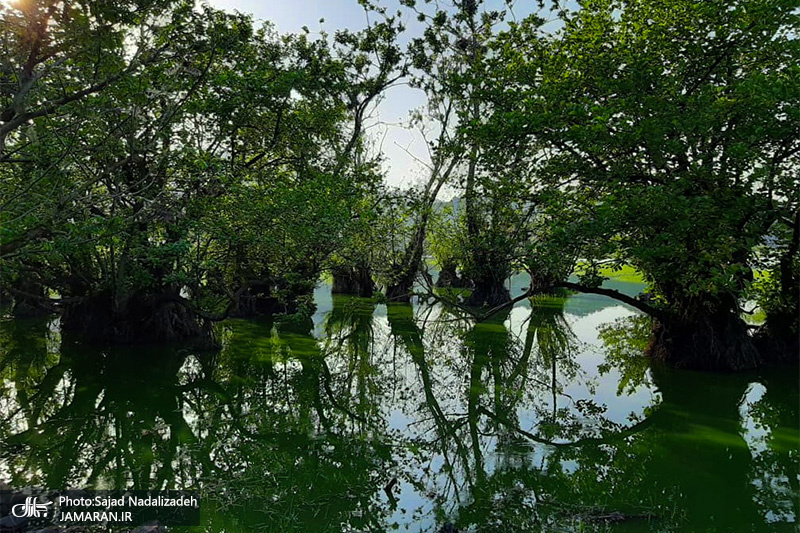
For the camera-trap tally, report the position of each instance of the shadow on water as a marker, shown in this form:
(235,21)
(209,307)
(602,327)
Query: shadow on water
(409,417)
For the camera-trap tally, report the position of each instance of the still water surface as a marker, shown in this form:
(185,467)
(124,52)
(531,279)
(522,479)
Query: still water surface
(406,417)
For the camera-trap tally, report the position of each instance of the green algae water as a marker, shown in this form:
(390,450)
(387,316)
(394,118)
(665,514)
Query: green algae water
(374,417)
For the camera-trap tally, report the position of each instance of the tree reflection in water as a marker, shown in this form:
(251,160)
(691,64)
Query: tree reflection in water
(78,416)
(406,415)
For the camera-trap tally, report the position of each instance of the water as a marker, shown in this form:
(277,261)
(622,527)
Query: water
(379,418)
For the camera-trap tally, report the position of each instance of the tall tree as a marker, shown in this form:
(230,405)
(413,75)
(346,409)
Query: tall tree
(448,63)
(217,175)
(676,126)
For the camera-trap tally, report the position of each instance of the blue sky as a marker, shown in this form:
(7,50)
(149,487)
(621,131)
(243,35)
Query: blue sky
(394,139)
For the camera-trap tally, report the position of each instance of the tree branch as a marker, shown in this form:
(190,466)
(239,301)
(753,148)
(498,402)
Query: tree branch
(616,295)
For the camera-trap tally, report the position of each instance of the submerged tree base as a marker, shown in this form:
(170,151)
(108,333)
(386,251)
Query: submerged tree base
(271,298)
(354,281)
(143,319)
(779,339)
(489,294)
(249,306)
(717,343)
(28,300)
(26,308)
(400,292)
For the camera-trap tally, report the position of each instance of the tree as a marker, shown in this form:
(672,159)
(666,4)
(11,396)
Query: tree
(351,265)
(444,61)
(445,243)
(57,57)
(99,208)
(675,124)
(219,177)
(307,177)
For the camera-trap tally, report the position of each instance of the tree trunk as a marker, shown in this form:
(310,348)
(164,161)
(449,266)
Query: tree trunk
(448,278)
(28,307)
(353,280)
(489,292)
(143,318)
(400,291)
(265,298)
(256,300)
(709,334)
(779,338)
(718,341)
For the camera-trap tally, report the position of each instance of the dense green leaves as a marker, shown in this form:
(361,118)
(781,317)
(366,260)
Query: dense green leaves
(673,126)
(171,158)
(211,158)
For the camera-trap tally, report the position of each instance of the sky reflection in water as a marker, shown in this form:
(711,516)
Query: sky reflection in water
(543,419)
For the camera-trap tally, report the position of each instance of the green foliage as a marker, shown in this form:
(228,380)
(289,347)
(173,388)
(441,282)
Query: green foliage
(626,341)
(446,238)
(671,126)
(200,157)
(162,152)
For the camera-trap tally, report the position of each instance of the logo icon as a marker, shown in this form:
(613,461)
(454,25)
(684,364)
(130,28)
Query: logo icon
(31,508)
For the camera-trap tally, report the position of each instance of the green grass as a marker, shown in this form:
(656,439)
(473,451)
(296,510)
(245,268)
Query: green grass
(625,273)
